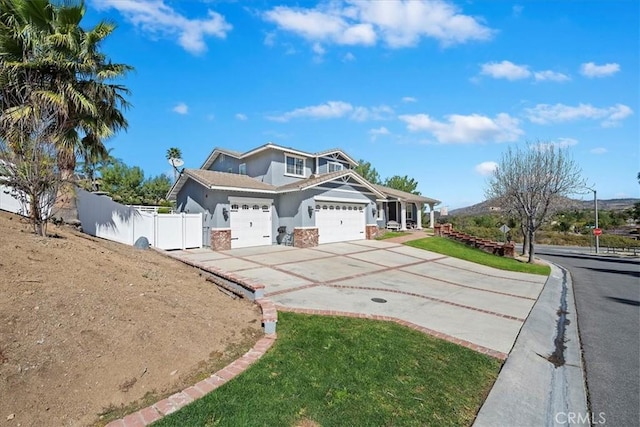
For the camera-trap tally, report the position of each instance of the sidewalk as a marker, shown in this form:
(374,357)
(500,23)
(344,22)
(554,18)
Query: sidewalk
(542,382)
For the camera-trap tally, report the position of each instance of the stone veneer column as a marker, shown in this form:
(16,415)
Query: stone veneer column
(371,231)
(305,237)
(221,239)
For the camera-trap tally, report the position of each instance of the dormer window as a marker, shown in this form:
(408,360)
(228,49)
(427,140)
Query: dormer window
(295,165)
(335,166)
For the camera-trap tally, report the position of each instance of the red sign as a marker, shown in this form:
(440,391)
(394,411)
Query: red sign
(597,231)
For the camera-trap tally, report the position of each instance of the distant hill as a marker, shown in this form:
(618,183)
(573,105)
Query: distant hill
(489,206)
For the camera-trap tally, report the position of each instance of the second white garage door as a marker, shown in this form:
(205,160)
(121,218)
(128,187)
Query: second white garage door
(340,222)
(250,223)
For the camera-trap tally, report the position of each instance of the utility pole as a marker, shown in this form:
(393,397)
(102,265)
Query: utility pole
(595,205)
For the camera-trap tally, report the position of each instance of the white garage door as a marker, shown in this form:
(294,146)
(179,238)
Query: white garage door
(250,224)
(339,222)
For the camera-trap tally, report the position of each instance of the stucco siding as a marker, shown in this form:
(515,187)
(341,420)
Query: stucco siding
(278,175)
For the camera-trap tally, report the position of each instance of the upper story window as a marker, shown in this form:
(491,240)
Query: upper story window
(335,166)
(295,165)
(242,169)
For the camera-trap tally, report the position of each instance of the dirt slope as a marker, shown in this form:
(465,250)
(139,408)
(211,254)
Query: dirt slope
(87,325)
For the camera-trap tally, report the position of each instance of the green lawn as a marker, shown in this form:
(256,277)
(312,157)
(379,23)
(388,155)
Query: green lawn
(391,234)
(336,371)
(449,247)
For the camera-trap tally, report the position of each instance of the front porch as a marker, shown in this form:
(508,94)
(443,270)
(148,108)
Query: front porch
(401,215)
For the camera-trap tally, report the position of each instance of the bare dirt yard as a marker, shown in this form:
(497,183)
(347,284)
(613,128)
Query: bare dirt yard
(91,328)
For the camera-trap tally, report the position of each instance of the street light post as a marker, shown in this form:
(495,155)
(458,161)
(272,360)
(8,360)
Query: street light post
(595,204)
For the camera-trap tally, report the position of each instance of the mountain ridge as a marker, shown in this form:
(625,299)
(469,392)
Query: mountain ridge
(488,206)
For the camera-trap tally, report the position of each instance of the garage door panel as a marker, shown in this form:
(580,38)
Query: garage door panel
(340,222)
(250,225)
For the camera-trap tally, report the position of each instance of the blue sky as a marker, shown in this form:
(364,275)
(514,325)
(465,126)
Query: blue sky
(435,90)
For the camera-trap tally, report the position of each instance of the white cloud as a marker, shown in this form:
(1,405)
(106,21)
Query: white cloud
(181,108)
(335,110)
(363,114)
(510,71)
(157,18)
(375,133)
(598,150)
(329,110)
(270,39)
(517,10)
(558,113)
(560,143)
(348,57)
(241,117)
(505,70)
(400,23)
(549,75)
(486,168)
(408,99)
(591,70)
(459,129)
(318,49)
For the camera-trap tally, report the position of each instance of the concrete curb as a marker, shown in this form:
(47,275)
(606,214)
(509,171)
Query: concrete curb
(531,390)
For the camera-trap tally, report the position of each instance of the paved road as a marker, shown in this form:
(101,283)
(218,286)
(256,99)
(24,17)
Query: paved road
(607,292)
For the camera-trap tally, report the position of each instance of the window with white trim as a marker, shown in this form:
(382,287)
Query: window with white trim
(410,212)
(242,169)
(335,166)
(380,213)
(294,165)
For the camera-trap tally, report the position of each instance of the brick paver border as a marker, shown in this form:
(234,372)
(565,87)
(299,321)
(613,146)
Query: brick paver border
(178,400)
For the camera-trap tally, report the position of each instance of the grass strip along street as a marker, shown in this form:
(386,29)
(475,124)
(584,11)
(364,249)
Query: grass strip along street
(326,371)
(455,249)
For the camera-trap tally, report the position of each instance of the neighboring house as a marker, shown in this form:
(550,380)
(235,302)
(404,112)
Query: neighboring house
(258,197)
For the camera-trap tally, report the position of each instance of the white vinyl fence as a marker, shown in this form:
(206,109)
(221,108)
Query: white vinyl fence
(102,217)
(9,203)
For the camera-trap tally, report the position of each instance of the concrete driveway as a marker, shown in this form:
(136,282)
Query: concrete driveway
(454,298)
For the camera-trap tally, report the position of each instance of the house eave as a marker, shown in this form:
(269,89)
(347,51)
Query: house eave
(241,189)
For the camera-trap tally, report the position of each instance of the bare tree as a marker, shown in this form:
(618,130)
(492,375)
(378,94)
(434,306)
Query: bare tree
(28,164)
(533,181)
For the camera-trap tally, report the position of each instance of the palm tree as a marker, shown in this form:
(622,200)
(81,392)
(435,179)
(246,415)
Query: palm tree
(66,73)
(174,154)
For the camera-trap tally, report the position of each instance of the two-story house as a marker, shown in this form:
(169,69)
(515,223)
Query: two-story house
(259,197)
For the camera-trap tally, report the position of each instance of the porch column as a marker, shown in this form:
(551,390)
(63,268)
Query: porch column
(403,216)
(419,213)
(431,218)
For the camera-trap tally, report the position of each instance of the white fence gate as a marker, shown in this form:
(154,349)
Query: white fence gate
(102,217)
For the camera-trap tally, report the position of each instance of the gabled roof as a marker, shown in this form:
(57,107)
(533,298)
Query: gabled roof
(336,150)
(404,196)
(314,181)
(217,151)
(221,181)
(235,182)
